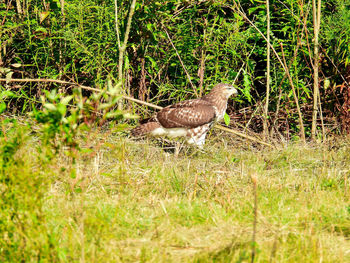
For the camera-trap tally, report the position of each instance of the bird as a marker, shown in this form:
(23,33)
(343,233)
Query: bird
(191,119)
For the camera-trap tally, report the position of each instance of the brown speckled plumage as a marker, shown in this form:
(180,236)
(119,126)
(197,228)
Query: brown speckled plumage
(190,118)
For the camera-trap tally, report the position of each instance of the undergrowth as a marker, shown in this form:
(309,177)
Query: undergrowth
(130,201)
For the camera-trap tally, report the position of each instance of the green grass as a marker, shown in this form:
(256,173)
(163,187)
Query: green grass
(131,201)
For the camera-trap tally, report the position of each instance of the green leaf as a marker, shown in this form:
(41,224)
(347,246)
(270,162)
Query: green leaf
(61,109)
(50,106)
(153,62)
(51,95)
(67,99)
(130,116)
(327,83)
(227,119)
(7,94)
(2,107)
(114,115)
(127,63)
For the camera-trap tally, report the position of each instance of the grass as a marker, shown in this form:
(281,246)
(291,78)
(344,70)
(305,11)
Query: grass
(127,201)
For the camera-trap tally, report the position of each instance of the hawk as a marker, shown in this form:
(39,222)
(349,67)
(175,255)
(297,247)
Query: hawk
(190,118)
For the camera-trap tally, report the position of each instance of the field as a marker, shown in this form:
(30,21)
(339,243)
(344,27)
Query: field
(132,201)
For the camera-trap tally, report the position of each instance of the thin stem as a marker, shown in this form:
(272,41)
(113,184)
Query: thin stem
(116,21)
(268,71)
(316,20)
(321,117)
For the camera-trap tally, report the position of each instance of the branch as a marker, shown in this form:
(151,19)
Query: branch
(218,126)
(134,100)
(80,86)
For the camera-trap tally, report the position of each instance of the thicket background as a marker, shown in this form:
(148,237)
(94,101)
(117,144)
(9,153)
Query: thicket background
(77,41)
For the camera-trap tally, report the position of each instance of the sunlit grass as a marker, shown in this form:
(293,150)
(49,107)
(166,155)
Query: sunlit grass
(132,201)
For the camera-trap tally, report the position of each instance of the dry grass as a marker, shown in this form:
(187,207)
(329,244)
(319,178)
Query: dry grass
(132,201)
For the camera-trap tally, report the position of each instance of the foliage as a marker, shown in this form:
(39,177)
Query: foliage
(336,34)
(79,42)
(24,233)
(61,121)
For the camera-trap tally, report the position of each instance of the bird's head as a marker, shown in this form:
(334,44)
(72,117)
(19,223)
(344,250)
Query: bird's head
(226,89)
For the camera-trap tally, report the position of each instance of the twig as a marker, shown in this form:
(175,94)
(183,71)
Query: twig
(202,63)
(81,86)
(321,117)
(19,8)
(217,126)
(7,9)
(182,64)
(252,116)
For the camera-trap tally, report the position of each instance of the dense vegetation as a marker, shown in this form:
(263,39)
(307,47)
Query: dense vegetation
(81,42)
(74,187)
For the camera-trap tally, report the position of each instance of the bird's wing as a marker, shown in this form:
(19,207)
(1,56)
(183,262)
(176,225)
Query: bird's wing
(187,114)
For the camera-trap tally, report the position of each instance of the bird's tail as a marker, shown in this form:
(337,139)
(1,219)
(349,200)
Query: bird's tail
(145,128)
